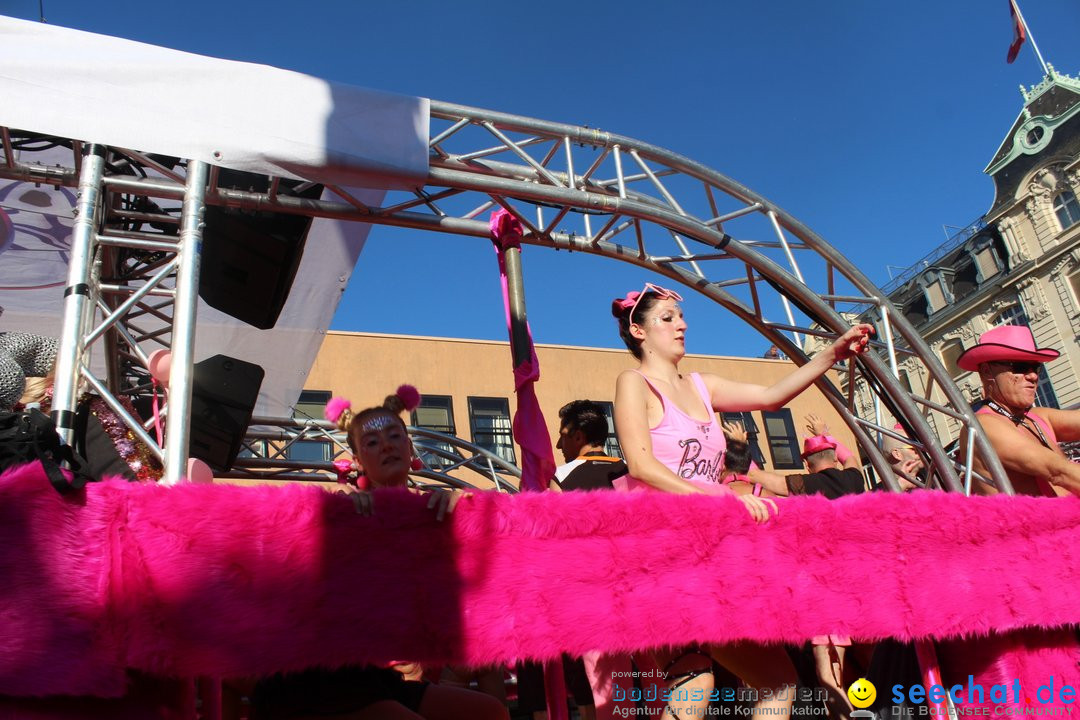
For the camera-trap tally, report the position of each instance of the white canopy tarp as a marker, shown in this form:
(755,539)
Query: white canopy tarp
(255,118)
(244,116)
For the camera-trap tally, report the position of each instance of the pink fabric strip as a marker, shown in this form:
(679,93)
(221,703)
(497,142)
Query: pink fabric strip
(530,428)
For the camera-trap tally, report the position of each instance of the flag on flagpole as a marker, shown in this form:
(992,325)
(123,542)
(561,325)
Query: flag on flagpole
(1019,31)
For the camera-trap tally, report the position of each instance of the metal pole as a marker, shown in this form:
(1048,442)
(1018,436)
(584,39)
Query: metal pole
(77,303)
(515,285)
(178,429)
(886,326)
(1020,15)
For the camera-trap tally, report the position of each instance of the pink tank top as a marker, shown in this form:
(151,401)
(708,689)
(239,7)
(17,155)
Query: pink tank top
(692,449)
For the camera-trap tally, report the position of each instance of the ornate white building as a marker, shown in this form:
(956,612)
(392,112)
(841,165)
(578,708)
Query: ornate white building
(1019,263)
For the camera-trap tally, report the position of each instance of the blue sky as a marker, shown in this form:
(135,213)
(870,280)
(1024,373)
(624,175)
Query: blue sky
(869,121)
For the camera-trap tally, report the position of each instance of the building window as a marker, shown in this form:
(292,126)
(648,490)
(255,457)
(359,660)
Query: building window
(1074,285)
(950,351)
(986,260)
(310,406)
(752,432)
(783,442)
(935,296)
(1012,315)
(916,311)
(489,419)
(1067,209)
(611,444)
(436,413)
(1044,391)
(253,449)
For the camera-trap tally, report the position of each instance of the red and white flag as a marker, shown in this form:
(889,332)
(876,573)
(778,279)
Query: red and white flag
(1019,31)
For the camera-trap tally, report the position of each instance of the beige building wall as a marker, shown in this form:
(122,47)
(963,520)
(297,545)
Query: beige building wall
(365,367)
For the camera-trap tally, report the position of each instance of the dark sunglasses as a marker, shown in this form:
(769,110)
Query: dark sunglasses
(1020,367)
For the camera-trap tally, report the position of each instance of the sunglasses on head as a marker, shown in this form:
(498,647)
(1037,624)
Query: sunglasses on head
(1020,367)
(664,294)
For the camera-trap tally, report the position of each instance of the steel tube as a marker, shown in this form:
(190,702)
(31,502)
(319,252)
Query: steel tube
(77,302)
(181,375)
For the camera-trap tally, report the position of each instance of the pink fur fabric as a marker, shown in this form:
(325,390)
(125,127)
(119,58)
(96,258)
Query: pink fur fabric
(223,581)
(1030,657)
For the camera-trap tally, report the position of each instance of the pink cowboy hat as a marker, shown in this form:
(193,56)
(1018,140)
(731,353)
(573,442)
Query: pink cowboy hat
(816,444)
(1005,342)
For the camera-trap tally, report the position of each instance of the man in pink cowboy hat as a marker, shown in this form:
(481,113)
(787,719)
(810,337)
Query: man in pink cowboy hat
(1025,437)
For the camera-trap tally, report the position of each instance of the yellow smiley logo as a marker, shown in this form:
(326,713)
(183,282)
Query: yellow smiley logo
(862,693)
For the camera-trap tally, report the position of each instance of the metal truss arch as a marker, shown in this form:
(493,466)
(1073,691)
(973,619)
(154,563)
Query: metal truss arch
(586,190)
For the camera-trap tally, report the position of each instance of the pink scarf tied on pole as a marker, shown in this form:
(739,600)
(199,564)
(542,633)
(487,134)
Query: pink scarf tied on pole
(530,428)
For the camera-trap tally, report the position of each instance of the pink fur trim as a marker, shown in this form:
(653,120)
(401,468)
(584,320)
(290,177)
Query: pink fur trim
(1031,656)
(409,396)
(335,407)
(223,581)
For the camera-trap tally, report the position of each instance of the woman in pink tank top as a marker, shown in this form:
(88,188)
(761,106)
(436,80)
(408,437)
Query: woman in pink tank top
(672,442)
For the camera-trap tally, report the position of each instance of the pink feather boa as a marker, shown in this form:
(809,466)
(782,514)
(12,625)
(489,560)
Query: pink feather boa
(222,581)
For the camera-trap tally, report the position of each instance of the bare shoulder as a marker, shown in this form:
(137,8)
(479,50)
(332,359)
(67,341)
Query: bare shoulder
(1056,417)
(1003,435)
(630,386)
(994,424)
(629,380)
(1066,423)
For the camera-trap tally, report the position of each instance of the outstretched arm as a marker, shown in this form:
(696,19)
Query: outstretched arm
(776,484)
(732,396)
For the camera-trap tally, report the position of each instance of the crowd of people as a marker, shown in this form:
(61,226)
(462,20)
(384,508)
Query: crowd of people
(671,441)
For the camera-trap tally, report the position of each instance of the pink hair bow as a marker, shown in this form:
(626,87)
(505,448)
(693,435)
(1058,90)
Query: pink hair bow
(629,301)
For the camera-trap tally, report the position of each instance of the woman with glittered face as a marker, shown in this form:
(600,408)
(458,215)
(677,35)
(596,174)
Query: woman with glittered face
(383,453)
(672,442)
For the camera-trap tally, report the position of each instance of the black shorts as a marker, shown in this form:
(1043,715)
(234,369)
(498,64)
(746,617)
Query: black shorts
(318,691)
(530,677)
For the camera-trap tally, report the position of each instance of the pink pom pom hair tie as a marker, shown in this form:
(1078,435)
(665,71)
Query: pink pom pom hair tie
(409,396)
(336,407)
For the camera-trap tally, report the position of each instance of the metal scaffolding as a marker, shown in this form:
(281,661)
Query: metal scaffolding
(136,250)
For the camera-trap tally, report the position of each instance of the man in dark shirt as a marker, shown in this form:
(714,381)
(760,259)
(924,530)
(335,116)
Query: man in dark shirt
(832,478)
(582,432)
(827,476)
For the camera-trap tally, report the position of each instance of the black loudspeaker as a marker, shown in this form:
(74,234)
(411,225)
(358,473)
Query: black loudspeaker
(250,258)
(223,395)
